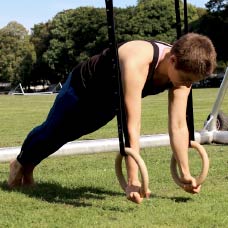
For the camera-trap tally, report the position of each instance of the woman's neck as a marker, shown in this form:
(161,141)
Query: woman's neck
(161,72)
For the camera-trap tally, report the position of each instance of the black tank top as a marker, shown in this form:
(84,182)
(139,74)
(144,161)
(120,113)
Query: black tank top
(95,75)
(149,88)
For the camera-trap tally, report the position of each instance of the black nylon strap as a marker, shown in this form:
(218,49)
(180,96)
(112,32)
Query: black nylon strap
(189,111)
(120,107)
(189,115)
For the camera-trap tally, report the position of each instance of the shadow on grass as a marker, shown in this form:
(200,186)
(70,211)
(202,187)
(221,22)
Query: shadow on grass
(76,197)
(55,193)
(177,199)
(181,199)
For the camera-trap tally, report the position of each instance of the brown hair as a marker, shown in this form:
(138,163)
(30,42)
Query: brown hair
(195,53)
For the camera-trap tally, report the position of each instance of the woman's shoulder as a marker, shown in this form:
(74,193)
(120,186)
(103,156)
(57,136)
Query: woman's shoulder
(136,50)
(136,44)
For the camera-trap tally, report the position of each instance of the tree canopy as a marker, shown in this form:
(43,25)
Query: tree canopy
(55,47)
(17,54)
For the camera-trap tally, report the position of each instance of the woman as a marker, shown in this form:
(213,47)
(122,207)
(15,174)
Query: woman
(87,102)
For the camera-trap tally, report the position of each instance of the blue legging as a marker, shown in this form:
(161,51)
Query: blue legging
(70,117)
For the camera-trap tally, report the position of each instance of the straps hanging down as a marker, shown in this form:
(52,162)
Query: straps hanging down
(189,111)
(189,116)
(178,19)
(120,108)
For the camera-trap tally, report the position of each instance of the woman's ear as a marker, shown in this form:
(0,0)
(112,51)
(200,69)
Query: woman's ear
(172,59)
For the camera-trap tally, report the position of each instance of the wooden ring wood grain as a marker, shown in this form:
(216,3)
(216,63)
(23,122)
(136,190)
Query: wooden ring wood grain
(205,165)
(142,169)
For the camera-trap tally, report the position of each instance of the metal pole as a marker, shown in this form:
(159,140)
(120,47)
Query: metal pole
(211,123)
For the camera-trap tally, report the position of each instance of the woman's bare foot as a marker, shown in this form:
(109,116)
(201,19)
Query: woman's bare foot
(15,175)
(28,180)
(20,176)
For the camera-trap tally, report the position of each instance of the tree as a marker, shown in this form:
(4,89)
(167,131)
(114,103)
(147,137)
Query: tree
(17,53)
(214,24)
(216,5)
(40,38)
(55,47)
(74,36)
(157,19)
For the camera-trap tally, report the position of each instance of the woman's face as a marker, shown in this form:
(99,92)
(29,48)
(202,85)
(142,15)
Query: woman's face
(179,77)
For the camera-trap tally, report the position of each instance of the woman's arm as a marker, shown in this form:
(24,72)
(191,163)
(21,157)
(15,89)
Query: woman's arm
(134,59)
(179,134)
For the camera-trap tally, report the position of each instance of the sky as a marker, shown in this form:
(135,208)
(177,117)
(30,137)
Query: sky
(28,12)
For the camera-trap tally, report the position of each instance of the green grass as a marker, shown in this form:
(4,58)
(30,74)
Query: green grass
(83,191)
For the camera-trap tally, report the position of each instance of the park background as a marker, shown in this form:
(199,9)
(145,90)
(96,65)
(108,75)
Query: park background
(46,54)
(83,191)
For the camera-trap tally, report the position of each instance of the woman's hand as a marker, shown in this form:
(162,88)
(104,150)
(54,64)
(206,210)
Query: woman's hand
(133,193)
(190,185)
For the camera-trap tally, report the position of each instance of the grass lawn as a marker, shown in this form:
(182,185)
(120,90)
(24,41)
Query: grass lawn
(83,191)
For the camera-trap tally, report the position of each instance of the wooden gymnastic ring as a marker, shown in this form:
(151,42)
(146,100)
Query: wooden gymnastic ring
(205,165)
(142,169)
